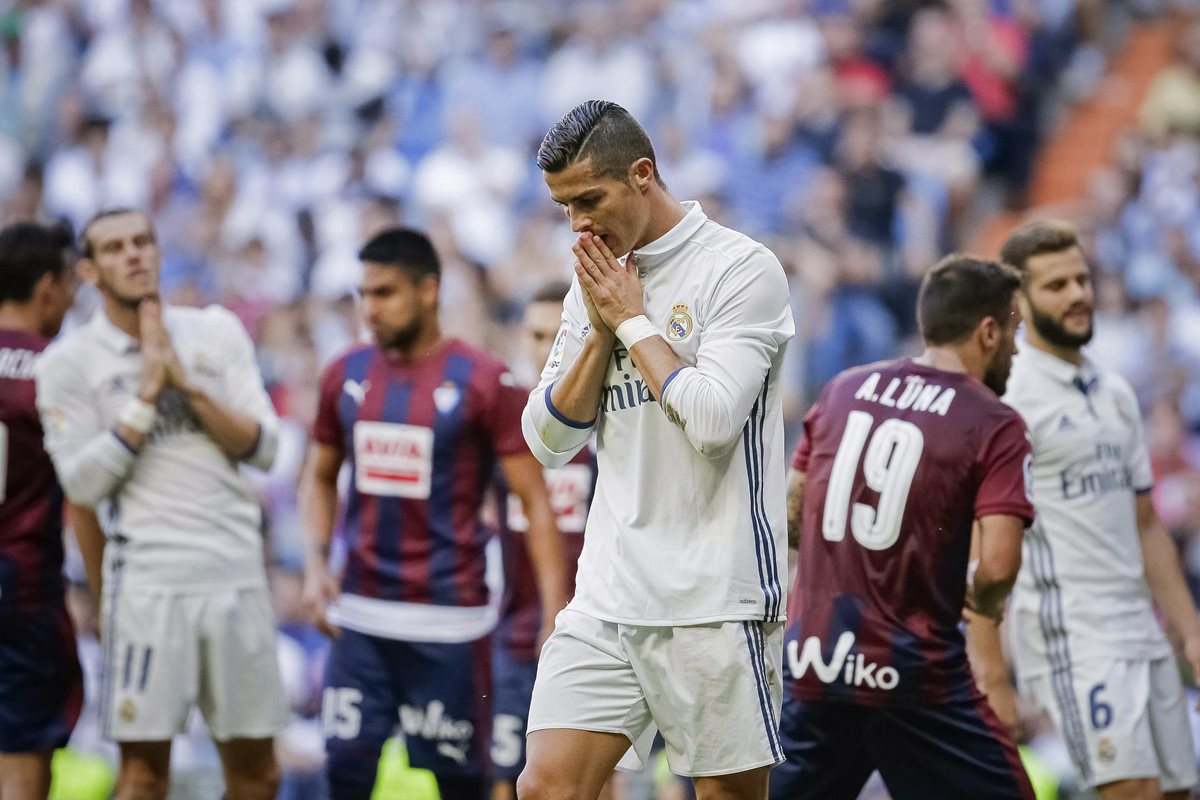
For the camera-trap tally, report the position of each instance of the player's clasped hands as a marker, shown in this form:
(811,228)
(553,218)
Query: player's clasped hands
(160,363)
(612,291)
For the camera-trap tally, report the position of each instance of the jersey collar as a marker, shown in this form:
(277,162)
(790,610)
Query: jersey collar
(110,335)
(1083,377)
(661,248)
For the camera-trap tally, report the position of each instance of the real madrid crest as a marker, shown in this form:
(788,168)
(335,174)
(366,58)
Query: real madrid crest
(679,326)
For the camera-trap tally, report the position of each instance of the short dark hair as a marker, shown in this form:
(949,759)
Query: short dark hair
(1036,239)
(602,131)
(552,292)
(85,241)
(404,248)
(27,252)
(959,293)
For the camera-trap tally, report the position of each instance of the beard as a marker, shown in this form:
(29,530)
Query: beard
(400,338)
(1053,331)
(996,377)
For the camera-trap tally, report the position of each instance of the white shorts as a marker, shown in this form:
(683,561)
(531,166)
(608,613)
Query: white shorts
(714,691)
(1121,719)
(167,651)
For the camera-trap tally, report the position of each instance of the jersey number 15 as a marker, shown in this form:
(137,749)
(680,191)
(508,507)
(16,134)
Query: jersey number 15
(888,468)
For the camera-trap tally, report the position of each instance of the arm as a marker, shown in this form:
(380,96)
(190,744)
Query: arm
(543,539)
(1165,579)
(986,654)
(797,480)
(91,461)
(562,409)
(995,571)
(243,424)
(237,434)
(750,321)
(318,503)
(89,536)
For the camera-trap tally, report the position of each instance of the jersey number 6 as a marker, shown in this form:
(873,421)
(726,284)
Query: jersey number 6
(888,468)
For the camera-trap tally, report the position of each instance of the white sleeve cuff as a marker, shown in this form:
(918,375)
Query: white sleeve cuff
(553,437)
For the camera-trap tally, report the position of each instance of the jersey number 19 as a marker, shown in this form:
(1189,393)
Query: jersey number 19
(888,468)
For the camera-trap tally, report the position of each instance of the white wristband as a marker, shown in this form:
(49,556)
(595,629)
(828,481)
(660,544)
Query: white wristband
(634,329)
(138,415)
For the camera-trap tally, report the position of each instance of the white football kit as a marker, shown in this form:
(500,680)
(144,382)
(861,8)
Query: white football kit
(688,524)
(187,619)
(1087,646)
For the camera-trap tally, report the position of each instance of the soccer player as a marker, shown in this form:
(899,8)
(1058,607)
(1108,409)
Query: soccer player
(899,461)
(422,421)
(1087,646)
(151,410)
(672,358)
(515,644)
(41,686)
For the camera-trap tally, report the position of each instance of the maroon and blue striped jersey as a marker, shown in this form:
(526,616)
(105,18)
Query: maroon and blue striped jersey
(422,438)
(571,487)
(900,459)
(31,502)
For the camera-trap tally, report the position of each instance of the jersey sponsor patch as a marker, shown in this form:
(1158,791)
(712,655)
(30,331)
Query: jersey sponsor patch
(560,346)
(393,460)
(569,487)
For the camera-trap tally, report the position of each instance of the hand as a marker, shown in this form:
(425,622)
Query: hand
(155,334)
(1002,697)
(614,290)
(1191,652)
(320,589)
(152,334)
(598,324)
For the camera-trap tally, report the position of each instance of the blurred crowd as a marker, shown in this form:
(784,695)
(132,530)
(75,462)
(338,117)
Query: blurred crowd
(860,139)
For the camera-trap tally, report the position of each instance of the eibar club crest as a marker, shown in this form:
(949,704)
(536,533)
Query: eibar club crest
(446,396)
(679,326)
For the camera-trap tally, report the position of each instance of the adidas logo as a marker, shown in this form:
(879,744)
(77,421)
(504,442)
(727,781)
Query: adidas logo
(1065,424)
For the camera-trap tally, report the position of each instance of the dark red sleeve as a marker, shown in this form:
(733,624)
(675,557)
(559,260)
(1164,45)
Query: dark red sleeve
(804,447)
(502,416)
(327,427)
(1005,461)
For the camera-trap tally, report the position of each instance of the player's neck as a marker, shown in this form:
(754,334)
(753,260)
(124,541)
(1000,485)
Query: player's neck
(1072,355)
(19,317)
(665,213)
(949,359)
(421,347)
(123,316)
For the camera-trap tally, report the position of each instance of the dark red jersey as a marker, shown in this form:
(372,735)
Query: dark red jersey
(31,502)
(900,459)
(571,488)
(422,438)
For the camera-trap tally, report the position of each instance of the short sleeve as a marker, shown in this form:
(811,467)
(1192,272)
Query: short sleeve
(1005,464)
(327,427)
(503,415)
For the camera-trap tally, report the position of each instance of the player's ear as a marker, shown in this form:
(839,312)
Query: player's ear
(641,174)
(88,271)
(429,286)
(989,333)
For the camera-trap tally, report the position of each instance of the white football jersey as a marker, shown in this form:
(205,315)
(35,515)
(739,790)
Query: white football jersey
(688,523)
(182,513)
(1081,592)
